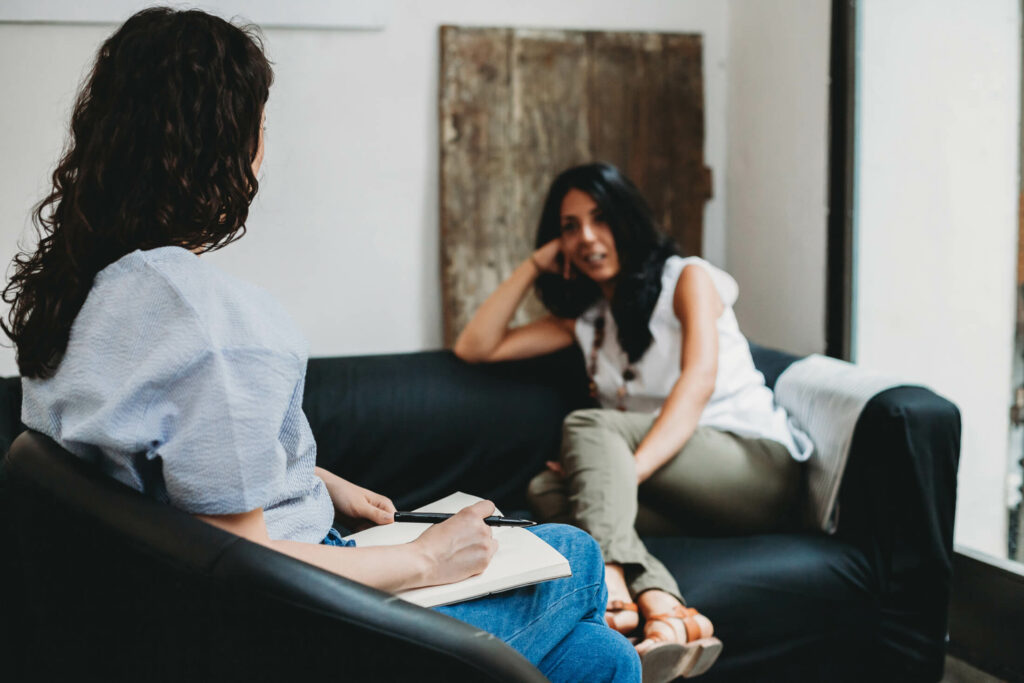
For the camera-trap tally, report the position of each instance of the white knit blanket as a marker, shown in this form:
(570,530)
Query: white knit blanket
(825,398)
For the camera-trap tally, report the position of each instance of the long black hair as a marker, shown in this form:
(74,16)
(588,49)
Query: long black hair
(163,136)
(642,249)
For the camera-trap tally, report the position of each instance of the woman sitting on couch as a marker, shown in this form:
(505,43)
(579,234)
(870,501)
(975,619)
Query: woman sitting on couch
(687,421)
(187,384)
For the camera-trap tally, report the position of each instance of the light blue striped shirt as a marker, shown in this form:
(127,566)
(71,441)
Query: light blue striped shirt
(186,383)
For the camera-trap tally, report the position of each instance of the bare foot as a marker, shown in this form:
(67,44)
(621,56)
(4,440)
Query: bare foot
(619,616)
(667,629)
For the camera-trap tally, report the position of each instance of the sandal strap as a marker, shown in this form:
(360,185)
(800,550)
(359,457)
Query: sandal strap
(692,629)
(686,615)
(679,612)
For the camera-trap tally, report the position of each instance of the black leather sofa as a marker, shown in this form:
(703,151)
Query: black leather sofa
(99,583)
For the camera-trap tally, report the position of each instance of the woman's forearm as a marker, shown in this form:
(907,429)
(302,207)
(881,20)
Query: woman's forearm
(697,305)
(451,551)
(389,568)
(489,325)
(676,423)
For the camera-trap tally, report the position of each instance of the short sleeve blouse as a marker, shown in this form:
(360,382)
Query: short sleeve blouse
(186,384)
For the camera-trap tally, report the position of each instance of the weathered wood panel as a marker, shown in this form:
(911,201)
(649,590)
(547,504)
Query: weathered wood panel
(476,177)
(519,106)
(549,109)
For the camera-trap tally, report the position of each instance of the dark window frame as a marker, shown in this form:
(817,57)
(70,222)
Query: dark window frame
(841,132)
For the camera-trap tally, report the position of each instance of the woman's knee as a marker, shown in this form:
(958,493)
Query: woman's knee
(547,498)
(584,418)
(579,547)
(544,484)
(594,436)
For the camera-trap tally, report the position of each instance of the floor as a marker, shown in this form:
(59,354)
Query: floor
(958,671)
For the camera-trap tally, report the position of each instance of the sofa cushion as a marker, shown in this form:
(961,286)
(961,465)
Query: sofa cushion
(418,426)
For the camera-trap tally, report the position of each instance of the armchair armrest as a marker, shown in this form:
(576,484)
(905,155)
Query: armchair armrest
(126,588)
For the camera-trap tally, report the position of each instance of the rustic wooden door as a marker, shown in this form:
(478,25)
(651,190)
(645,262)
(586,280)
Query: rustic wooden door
(518,106)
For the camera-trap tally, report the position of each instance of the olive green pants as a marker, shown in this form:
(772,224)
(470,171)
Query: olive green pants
(719,483)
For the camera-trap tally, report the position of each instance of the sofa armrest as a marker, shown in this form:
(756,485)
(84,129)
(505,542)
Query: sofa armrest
(897,503)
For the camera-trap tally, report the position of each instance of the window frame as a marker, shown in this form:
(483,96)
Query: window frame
(985,617)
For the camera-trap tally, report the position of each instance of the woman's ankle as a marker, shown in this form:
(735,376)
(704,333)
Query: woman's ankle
(620,614)
(665,613)
(615,580)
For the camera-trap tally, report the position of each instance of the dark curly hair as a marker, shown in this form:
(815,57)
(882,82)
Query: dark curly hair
(163,137)
(642,248)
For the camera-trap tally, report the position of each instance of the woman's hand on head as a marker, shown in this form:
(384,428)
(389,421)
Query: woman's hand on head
(549,258)
(459,547)
(487,337)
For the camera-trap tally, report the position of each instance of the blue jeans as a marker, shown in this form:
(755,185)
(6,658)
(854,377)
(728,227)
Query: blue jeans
(334,538)
(559,625)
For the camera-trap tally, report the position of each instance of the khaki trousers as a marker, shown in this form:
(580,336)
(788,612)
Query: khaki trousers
(719,483)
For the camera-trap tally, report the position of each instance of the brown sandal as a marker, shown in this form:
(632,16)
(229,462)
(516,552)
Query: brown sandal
(689,658)
(616,607)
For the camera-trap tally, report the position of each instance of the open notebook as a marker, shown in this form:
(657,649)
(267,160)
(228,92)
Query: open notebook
(521,559)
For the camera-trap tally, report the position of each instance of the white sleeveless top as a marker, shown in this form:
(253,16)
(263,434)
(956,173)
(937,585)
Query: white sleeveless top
(741,403)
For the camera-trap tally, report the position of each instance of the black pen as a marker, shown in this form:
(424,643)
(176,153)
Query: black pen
(438,517)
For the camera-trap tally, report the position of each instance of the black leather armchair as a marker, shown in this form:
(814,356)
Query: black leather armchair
(117,587)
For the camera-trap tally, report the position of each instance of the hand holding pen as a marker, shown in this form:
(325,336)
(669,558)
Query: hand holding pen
(438,517)
(460,547)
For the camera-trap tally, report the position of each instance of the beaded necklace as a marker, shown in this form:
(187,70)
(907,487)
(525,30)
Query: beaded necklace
(628,374)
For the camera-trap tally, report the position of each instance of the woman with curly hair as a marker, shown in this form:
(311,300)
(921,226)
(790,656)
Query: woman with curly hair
(688,438)
(182,382)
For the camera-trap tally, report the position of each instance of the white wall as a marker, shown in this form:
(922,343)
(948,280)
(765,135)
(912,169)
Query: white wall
(39,71)
(776,209)
(938,148)
(345,228)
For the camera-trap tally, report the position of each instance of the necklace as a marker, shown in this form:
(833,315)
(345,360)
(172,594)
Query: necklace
(628,374)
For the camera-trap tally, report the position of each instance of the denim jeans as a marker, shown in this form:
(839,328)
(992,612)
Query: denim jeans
(334,538)
(559,625)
